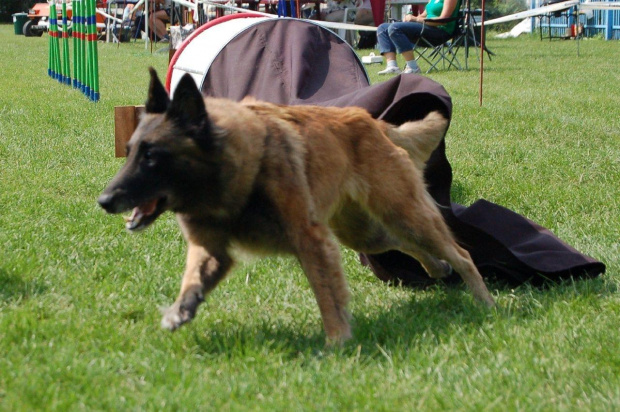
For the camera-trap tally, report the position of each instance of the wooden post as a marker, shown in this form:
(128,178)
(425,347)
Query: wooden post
(126,119)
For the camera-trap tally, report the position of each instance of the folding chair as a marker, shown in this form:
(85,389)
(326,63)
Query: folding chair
(444,52)
(119,25)
(470,36)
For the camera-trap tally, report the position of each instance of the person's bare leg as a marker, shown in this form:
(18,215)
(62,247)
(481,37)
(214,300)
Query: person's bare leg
(412,65)
(158,21)
(407,55)
(389,56)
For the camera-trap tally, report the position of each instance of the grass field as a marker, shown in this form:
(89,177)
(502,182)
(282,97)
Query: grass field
(79,296)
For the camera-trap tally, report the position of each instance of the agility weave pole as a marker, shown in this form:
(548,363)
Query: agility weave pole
(85,54)
(54,68)
(66,67)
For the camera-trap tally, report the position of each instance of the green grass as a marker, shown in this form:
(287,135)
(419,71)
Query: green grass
(79,325)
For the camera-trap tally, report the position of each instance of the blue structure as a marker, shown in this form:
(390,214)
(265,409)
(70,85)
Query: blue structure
(605,23)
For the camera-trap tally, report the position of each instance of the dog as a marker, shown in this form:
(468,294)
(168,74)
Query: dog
(284,179)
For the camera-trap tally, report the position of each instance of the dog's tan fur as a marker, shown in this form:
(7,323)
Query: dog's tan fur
(283,179)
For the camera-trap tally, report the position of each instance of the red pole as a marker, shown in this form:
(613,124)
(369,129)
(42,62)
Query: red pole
(481,52)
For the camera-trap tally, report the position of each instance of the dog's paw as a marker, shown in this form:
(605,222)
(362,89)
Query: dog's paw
(338,336)
(486,299)
(446,270)
(181,311)
(338,340)
(174,316)
(171,318)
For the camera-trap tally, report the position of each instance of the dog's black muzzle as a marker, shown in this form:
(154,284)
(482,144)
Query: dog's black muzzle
(108,201)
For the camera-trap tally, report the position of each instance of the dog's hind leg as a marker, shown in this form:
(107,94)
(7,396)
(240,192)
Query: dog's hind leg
(203,271)
(450,255)
(436,268)
(461,261)
(425,236)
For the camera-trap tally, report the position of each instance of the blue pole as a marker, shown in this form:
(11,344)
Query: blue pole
(533,19)
(609,23)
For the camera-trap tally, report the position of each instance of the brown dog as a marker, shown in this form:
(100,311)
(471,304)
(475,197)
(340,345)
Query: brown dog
(281,179)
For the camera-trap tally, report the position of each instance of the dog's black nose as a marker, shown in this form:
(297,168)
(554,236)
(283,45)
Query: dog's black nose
(106,201)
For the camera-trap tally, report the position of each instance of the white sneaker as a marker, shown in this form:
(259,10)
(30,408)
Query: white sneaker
(410,70)
(390,70)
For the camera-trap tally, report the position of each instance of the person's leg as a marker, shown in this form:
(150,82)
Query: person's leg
(164,18)
(387,49)
(435,35)
(335,16)
(365,39)
(404,35)
(364,17)
(397,35)
(412,65)
(158,22)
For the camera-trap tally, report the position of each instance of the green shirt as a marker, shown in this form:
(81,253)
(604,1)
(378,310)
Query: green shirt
(433,11)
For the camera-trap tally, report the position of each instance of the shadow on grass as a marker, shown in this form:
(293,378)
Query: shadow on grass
(14,289)
(401,324)
(447,311)
(459,192)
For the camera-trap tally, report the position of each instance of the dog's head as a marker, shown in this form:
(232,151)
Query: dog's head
(171,157)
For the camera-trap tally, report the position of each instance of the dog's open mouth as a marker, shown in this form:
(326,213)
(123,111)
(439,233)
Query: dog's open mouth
(145,214)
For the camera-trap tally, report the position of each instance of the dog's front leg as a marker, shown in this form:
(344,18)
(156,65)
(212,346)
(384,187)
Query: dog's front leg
(320,258)
(203,271)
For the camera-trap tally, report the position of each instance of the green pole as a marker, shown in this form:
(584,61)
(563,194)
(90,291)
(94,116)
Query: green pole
(88,77)
(66,72)
(92,90)
(55,46)
(74,34)
(82,46)
(51,34)
(58,55)
(49,50)
(94,95)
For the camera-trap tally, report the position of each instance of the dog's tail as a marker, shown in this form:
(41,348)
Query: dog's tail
(421,137)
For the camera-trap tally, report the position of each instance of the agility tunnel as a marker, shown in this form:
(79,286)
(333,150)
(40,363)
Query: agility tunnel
(292,61)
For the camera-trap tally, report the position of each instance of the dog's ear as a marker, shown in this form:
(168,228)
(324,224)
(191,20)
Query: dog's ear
(188,106)
(157,100)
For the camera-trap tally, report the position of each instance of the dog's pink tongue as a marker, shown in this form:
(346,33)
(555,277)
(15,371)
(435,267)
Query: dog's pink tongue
(148,208)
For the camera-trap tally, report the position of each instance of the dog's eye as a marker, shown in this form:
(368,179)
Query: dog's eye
(149,157)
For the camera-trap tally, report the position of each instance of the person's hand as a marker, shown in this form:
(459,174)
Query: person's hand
(410,18)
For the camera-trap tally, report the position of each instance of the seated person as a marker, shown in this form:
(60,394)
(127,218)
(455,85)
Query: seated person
(363,16)
(358,12)
(336,8)
(400,37)
(158,20)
